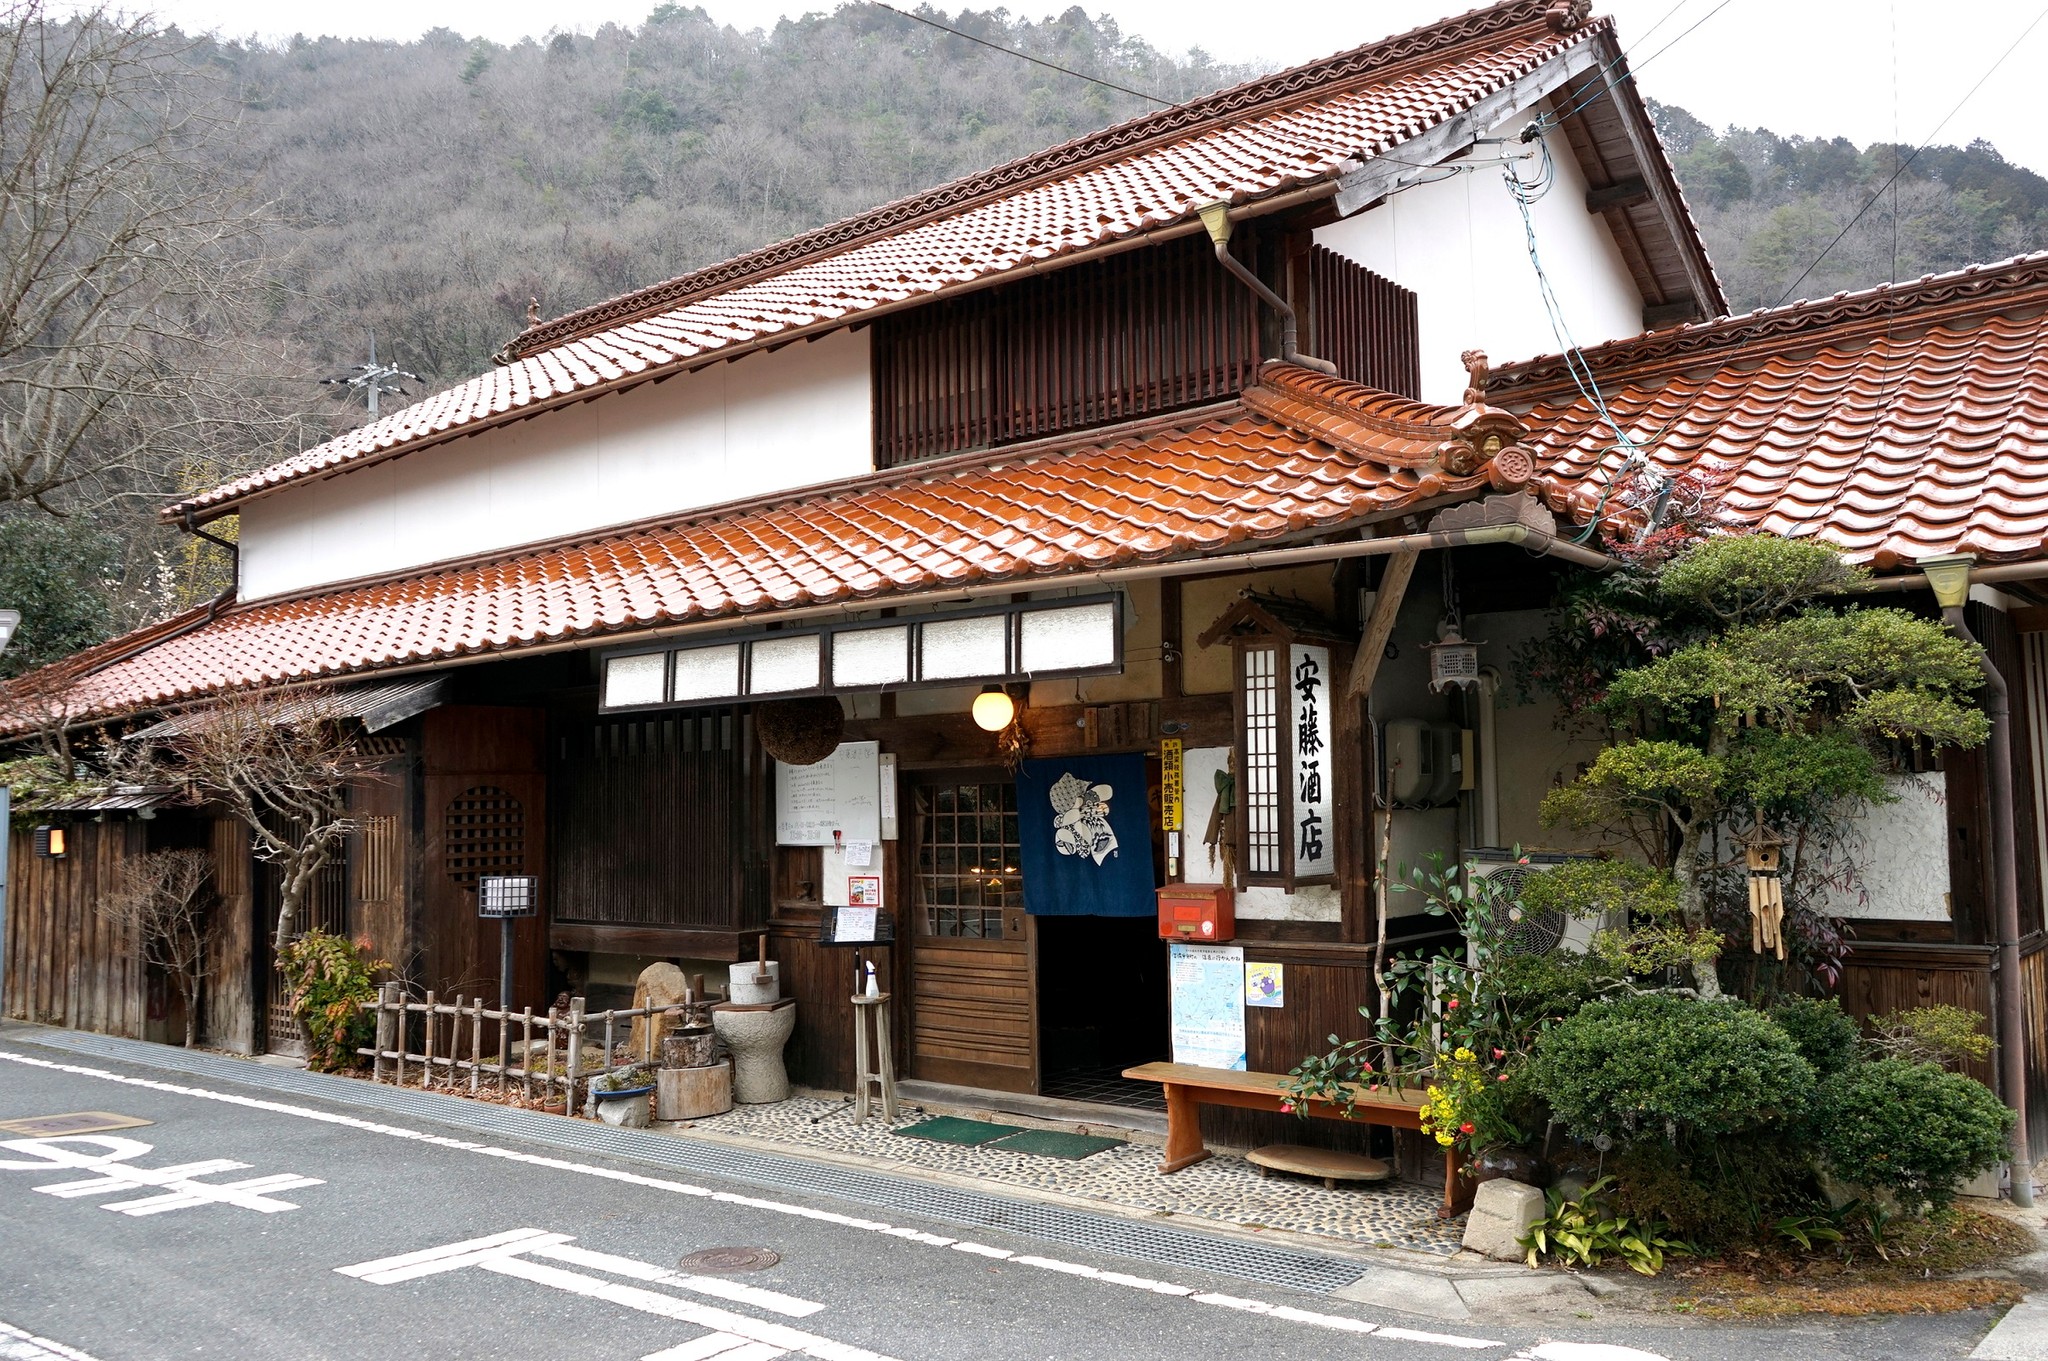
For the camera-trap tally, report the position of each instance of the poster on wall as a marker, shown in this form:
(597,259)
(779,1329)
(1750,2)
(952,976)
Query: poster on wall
(834,802)
(1315,853)
(1265,985)
(1208,1004)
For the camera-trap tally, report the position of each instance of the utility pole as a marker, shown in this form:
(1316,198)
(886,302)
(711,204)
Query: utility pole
(373,379)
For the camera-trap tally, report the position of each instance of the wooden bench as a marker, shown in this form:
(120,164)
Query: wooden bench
(1189,1088)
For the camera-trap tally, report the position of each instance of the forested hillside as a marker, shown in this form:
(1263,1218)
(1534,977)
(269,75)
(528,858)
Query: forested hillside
(424,192)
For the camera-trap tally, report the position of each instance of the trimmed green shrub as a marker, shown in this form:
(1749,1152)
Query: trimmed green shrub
(1537,988)
(1822,1032)
(1911,1129)
(1663,1067)
(1728,1191)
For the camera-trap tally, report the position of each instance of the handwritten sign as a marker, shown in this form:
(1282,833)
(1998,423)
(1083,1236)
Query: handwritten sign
(840,794)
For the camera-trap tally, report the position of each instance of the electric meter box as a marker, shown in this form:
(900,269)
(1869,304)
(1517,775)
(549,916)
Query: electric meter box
(1205,914)
(1425,763)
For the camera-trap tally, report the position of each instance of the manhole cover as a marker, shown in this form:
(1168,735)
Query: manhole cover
(75,1122)
(730,1259)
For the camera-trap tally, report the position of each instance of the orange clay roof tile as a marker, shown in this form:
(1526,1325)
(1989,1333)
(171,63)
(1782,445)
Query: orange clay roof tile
(1282,131)
(1236,476)
(1896,423)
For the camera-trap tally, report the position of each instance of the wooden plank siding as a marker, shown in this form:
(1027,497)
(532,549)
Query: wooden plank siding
(65,964)
(1364,324)
(228,1004)
(1140,333)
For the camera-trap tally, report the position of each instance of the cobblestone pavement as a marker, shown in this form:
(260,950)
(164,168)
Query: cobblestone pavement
(1226,1188)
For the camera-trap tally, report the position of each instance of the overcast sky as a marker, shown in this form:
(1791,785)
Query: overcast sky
(1865,69)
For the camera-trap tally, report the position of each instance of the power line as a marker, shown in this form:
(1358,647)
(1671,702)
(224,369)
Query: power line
(1908,164)
(1600,87)
(1024,56)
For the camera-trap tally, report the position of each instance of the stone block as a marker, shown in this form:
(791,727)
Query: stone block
(1502,1212)
(660,985)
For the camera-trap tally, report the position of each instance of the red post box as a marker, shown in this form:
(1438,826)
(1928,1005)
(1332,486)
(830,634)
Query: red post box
(1203,913)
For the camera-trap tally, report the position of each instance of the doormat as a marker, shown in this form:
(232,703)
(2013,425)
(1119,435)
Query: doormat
(949,1129)
(1052,1143)
(76,1122)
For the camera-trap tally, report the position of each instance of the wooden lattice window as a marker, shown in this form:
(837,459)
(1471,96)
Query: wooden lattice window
(969,858)
(485,833)
(377,860)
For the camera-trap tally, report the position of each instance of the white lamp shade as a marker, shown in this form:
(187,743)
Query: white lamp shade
(993,710)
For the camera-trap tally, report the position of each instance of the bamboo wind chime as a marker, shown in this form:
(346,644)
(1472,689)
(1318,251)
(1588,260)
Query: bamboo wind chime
(1762,849)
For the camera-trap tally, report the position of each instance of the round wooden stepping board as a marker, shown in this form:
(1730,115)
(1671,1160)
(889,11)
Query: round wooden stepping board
(1327,1164)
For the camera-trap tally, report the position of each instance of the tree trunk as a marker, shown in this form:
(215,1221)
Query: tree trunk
(1692,904)
(291,895)
(190,987)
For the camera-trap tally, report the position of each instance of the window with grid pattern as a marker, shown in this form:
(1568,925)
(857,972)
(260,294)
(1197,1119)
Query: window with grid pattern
(1261,762)
(968,858)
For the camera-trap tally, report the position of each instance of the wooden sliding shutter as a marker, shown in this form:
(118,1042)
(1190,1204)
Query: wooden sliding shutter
(1147,331)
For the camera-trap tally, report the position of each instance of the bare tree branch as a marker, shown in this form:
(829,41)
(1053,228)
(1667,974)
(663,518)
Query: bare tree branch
(164,900)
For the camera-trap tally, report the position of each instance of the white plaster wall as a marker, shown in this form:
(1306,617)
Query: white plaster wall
(768,422)
(1898,853)
(1459,244)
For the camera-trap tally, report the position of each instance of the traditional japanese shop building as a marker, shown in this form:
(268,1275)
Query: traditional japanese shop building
(1012,497)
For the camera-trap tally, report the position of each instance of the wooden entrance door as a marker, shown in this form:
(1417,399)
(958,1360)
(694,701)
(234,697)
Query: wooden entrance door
(973,1003)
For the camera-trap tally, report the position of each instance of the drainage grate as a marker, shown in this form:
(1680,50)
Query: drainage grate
(1094,1233)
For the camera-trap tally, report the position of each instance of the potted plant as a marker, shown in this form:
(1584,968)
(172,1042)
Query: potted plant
(620,1097)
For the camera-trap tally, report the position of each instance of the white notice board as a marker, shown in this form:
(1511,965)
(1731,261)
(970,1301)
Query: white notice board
(1208,1004)
(839,794)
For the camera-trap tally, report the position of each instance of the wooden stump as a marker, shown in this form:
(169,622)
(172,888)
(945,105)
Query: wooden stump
(692,1093)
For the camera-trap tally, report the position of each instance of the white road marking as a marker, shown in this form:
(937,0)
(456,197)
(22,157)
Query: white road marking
(1329,1322)
(178,1184)
(683,1311)
(453,1257)
(17,1345)
(774,1301)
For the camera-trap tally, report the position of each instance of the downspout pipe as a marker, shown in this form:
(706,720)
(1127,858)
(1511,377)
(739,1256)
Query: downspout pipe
(1950,578)
(234,556)
(1216,217)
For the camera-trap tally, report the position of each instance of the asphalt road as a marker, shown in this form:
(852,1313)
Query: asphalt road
(239,1223)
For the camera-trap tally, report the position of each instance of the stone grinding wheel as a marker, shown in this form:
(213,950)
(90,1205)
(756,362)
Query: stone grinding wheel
(800,732)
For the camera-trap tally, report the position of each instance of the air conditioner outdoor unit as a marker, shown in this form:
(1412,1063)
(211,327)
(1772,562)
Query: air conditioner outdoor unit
(1542,932)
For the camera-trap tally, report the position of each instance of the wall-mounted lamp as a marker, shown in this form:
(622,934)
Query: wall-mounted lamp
(993,709)
(49,842)
(1948,576)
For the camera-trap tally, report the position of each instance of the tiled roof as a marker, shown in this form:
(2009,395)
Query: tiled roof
(1297,128)
(1297,452)
(1895,423)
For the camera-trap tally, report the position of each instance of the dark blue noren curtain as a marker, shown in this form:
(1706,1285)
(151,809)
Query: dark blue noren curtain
(1086,825)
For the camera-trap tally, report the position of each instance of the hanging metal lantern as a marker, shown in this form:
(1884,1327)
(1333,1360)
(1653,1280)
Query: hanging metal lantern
(1453,662)
(1762,849)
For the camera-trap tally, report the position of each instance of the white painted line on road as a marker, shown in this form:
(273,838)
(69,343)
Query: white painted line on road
(1328,1322)
(683,1311)
(475,1252)
(774,1301)
(116,1172)
(717,1347)
(406,1259)
(18,1345)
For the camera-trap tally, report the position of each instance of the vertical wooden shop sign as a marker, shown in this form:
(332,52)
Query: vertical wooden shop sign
(1170,802)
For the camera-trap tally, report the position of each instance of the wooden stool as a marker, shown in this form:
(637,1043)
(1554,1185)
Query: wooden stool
(882,1071)
(1328,1164)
